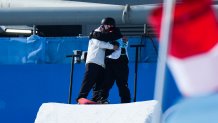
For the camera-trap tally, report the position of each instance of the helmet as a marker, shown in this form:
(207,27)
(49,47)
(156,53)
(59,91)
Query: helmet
(108,21)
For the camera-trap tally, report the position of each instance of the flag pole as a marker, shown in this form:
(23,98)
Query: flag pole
(168,9)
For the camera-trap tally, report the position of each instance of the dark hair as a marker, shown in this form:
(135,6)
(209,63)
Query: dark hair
(108,21)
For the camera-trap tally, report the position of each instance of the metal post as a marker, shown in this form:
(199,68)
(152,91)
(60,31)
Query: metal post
(71,77)
(136,70)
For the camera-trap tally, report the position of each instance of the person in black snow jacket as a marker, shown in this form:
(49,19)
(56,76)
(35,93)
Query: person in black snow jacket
(116,62)
(95,67)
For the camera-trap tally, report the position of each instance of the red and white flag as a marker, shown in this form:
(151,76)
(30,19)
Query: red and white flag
(193,50)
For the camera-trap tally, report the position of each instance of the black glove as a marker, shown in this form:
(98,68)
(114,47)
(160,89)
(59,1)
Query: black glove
(96,35)
(115,43)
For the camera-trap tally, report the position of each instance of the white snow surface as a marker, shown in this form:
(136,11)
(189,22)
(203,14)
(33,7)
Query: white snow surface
(136,112)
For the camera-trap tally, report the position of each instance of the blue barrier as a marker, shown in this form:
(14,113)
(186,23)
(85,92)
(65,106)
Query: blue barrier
(35,70)
(25,87)
(48,50)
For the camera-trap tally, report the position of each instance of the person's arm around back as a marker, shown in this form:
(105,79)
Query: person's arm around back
(104,45)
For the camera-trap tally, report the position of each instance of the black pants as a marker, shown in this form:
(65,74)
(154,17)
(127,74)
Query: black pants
(93,79)
(116,70)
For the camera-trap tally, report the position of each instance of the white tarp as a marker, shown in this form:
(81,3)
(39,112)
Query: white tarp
(137,112)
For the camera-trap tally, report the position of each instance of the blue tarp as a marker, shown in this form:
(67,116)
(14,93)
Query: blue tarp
(48,50)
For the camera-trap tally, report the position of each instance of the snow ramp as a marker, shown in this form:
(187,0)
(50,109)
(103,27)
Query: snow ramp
(136,112)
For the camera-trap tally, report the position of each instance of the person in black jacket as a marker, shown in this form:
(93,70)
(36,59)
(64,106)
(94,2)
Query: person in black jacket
(95,67)
(116,61)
